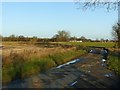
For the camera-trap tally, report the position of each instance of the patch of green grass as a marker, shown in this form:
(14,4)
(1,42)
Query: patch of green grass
(114,64)
(97,44)
(28,69)
(65,57)
(45,63)
(8,73)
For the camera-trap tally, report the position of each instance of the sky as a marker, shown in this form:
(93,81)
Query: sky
(44,19)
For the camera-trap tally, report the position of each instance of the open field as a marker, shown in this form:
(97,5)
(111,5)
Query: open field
(97,44)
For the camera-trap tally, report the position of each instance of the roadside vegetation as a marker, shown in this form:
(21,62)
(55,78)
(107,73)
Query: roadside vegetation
(114,63)
(21,63)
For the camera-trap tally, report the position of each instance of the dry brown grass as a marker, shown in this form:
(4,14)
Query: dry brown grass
(28,53)
(25,60)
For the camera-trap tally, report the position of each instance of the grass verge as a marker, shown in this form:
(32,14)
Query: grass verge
(21,65)
(114,64)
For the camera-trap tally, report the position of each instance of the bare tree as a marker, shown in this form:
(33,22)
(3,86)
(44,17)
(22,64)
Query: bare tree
(62,36)
(109,4)
(116,33)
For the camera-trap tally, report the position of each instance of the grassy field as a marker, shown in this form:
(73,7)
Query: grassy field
(22,61)
(98,44)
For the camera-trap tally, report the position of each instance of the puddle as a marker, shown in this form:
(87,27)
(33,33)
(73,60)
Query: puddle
(73,83)
(88,71)
(108,75)
(94,51)
(71,62)
(103,64)
(103,60)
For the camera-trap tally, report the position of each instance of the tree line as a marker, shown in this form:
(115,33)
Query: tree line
(61,36)
(64,36)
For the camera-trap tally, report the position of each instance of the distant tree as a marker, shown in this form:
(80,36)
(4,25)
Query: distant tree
(83,38)
(21,38)
(90,40)
(102,40)
(62,36)
(54,38)
(12,37)
(116,33)
(34,39)
(73,38)
(106,40)
(1,38)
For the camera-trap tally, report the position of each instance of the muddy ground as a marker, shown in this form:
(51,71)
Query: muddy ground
(87,72)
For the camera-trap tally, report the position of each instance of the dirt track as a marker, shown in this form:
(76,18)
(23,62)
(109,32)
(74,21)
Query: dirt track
(86,73)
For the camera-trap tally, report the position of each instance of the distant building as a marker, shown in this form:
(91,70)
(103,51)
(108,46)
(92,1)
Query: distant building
(76,41)
(81,41)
